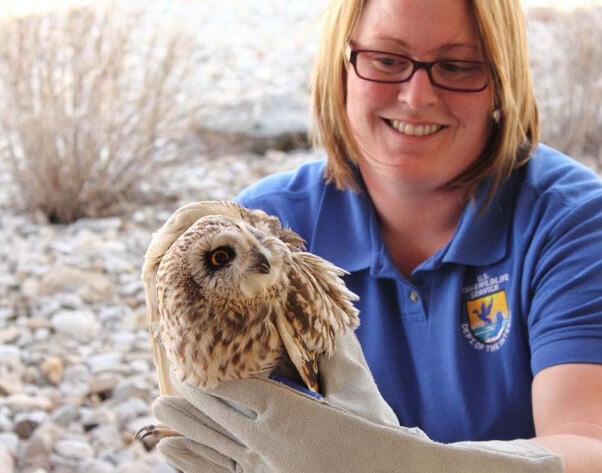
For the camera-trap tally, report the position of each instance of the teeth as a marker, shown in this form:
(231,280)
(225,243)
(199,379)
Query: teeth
(414,130)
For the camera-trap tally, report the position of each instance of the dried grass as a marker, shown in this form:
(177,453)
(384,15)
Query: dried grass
(93,104)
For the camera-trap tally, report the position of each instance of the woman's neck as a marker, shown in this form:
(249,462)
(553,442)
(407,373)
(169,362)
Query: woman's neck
(415,224)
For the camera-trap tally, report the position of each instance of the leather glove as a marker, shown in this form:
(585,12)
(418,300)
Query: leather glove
(262,426)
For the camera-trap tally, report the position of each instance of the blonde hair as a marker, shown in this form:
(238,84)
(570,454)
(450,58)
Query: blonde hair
(501,27)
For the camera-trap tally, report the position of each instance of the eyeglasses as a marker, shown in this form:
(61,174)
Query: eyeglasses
(388,68)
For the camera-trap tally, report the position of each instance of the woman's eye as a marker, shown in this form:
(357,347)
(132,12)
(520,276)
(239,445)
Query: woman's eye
(456,67)
(451,66)
(220,257)
(389,63)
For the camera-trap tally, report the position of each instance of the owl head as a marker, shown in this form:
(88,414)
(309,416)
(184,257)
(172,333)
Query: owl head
(228,258)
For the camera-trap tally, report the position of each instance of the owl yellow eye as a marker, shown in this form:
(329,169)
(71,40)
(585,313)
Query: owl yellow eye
(220,257)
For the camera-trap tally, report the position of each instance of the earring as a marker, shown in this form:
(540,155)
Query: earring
(497,115)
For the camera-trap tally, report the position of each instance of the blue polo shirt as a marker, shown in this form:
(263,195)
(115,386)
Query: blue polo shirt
(518,288)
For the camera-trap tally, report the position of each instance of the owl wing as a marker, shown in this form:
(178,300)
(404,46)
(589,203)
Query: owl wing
(161,241)
(317,306)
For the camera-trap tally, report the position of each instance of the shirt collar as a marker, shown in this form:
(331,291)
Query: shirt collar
(346,232)
(481,237)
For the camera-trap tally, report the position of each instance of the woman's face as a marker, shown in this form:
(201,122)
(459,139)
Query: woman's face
(386,119)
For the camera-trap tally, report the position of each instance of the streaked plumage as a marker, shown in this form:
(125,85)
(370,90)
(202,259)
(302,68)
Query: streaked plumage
(231,293)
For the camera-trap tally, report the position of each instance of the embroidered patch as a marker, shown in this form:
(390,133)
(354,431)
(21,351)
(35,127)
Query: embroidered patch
(488,321)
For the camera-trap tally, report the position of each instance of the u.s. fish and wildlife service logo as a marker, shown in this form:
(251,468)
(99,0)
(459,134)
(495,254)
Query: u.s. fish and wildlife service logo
(489,321)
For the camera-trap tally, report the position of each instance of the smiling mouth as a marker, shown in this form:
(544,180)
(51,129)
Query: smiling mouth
(414,130)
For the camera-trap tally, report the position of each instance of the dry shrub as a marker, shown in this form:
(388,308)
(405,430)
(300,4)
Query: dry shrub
(93,103)
(567,69)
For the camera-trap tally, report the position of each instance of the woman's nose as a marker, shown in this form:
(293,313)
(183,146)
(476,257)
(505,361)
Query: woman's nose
(418,92)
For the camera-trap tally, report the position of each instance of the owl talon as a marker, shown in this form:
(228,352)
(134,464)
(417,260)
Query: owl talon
(150,435)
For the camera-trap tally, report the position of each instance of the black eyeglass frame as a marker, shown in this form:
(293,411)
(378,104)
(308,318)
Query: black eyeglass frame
(427,66)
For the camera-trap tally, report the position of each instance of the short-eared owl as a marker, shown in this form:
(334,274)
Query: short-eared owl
(231,294)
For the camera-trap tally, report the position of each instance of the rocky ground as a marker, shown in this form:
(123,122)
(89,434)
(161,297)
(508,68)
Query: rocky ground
(76,374)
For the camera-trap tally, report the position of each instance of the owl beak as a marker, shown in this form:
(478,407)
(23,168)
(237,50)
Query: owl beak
(261,264)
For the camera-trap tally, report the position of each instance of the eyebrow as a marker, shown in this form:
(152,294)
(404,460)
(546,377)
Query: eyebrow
(447,47)
(444,47)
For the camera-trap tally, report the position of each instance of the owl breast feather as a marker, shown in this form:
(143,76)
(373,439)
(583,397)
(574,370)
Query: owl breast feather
(214,343)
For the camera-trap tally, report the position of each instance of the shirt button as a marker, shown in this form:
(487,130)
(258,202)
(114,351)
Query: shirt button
(414,297)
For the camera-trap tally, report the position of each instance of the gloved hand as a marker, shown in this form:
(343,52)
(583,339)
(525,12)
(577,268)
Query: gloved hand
(262,426)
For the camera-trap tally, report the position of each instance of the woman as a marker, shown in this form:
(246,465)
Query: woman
(475,252)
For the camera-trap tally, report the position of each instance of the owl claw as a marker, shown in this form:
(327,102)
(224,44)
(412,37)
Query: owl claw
(150,435)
